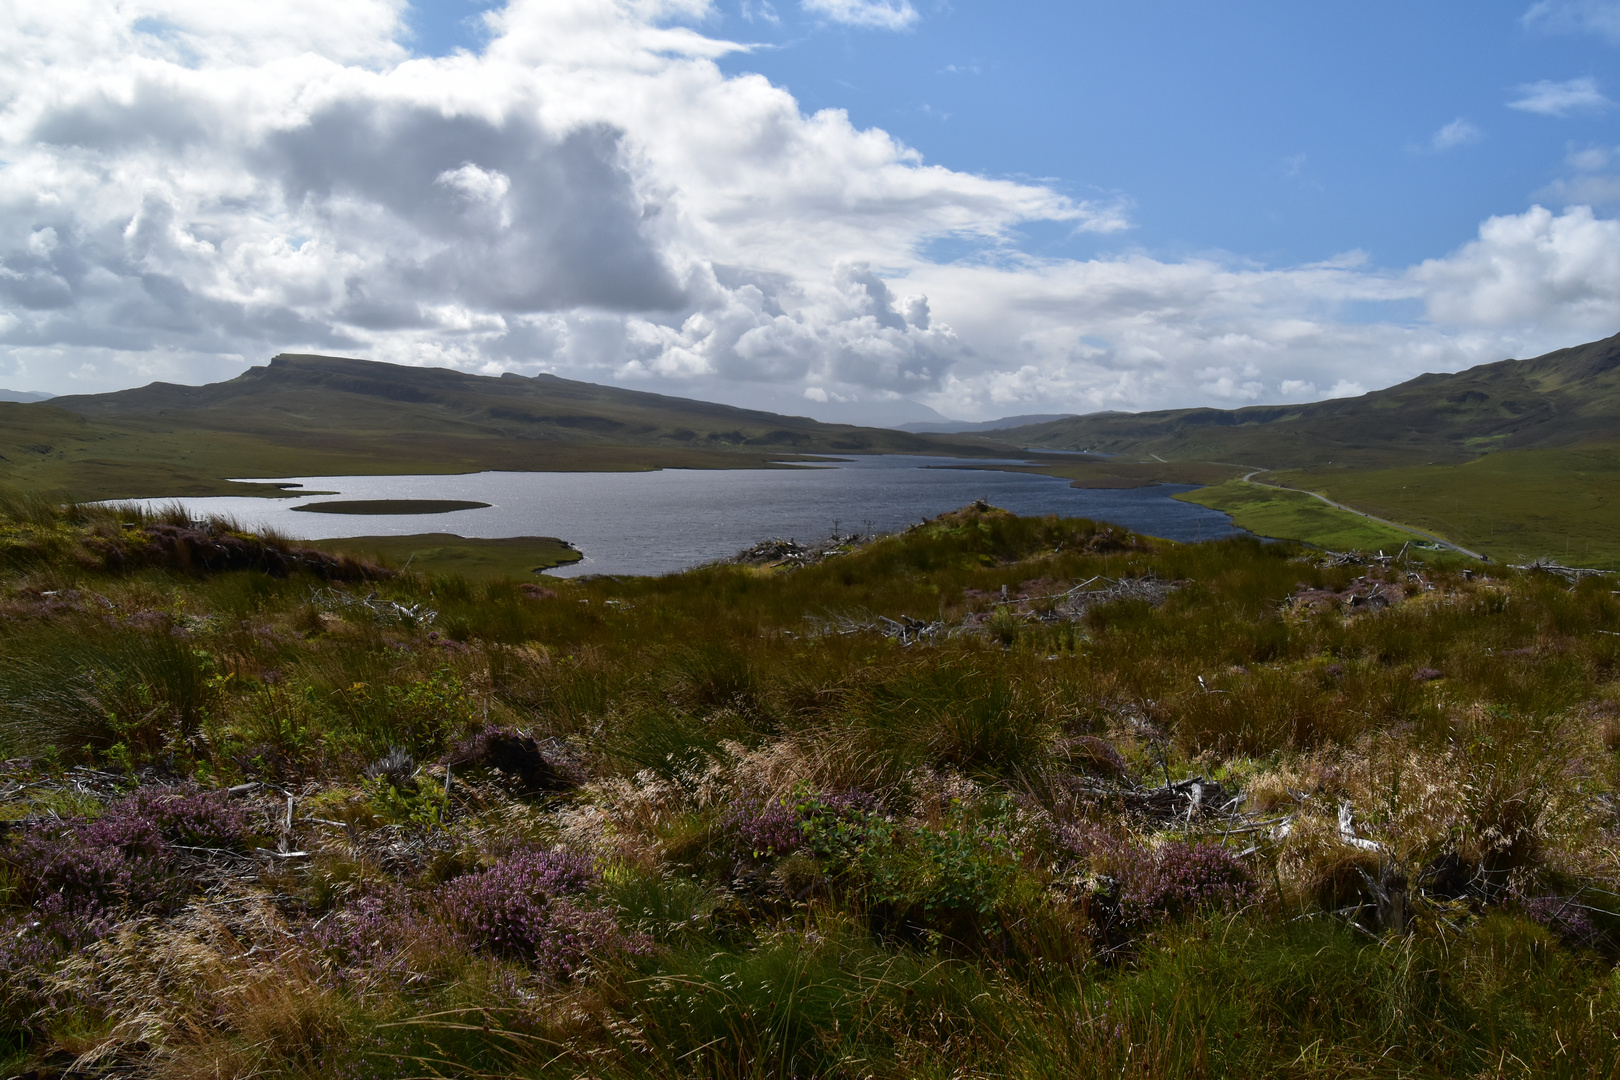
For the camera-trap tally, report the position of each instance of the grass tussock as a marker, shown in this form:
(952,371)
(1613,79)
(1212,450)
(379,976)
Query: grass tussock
(1086,804)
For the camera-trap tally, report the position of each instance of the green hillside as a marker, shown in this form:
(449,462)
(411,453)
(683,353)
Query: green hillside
(1517,459)
(1515,505)
(321,415)
(1565,397)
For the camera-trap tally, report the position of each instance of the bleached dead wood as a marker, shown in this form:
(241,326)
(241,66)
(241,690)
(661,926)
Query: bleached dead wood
(1196,798)
(383,612)
(1347,831)
(1570,574)
(1390,897)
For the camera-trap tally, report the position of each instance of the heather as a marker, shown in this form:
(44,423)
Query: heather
(991,797)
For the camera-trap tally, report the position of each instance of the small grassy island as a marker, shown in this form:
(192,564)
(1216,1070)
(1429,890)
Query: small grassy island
(993,797)
(475,558)
(376,507)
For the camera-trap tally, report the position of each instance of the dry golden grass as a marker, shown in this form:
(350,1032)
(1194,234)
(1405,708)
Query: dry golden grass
(224,989)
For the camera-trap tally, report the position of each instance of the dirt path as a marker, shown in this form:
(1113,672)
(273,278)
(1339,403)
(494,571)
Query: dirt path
(1248,478)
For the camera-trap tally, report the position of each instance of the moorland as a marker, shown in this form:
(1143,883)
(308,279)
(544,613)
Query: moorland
(1517,459)
(991,797)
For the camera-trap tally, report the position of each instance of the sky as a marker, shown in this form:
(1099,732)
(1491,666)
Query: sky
(867,210)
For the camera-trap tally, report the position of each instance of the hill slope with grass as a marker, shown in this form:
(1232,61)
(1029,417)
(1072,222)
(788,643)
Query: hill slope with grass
(1558,400)
(1518,459)
(992,797)
(320,415)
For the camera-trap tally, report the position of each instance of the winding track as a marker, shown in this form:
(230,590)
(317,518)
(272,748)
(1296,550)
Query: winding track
(1442,541)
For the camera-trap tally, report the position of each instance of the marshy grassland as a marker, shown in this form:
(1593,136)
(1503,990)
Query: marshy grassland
(1279,512)
(475,558)
(1515,505)
(993,797)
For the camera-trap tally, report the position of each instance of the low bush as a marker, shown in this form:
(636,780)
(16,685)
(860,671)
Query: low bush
(1129,887)
(84,873)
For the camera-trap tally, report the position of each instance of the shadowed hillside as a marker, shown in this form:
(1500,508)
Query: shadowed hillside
(304,415)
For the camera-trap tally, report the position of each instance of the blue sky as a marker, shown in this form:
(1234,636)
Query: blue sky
(866,210)
(1284,132)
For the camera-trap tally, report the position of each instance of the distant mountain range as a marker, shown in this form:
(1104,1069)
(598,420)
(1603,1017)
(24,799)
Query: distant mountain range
(305,415)
(1560,399)
(23,395)
(958,427)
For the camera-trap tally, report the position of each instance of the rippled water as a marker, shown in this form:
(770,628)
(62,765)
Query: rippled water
(657,522)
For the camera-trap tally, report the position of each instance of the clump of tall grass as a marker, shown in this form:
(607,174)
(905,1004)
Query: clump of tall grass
(89,685)
(38,532)
(215,990)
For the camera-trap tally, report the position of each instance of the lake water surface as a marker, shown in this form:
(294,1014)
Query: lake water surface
(658,522)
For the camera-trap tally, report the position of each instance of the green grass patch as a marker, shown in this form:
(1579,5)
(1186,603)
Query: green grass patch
(1515,505)
(1296,515)
(472,558)
(391,506)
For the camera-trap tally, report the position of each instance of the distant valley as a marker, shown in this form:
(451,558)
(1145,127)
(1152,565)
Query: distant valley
(957,427)
(1517,459)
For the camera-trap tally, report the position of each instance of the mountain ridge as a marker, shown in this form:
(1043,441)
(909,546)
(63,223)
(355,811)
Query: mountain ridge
(393,382)
(959,427)
(305,414)
(1519,459)
(1559,399)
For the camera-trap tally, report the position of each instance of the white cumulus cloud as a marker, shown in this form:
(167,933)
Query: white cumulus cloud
(187,188)
(1536,268)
